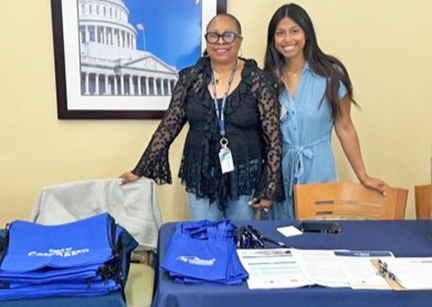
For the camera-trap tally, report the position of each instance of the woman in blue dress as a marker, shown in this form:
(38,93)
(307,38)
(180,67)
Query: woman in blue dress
(316,95)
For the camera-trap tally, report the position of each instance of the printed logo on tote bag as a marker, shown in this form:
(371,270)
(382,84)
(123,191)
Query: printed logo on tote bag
(196,261)
(63,252)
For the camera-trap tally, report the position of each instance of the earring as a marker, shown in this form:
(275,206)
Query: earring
(241,53)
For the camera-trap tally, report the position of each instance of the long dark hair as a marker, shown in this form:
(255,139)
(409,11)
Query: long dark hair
(320,63)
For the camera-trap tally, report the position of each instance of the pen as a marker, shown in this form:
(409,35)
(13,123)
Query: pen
(281,244)
(255,237)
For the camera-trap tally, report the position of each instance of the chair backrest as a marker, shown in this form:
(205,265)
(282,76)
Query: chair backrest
(348,201)
(423,201)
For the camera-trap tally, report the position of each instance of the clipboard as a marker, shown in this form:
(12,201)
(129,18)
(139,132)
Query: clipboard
(384,272)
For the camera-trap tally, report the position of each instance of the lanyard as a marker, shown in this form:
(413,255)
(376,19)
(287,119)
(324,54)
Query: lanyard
(220,109)
(247,237)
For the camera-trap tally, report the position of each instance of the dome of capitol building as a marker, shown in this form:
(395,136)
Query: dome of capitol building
(111,64)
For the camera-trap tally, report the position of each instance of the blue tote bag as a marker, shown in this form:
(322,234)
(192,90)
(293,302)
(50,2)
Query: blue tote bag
(68,289)
(203,252)
(33,246)
(83,258)
(51,275)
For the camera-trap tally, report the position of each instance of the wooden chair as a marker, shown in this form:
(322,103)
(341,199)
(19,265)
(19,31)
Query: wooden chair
(348,201)
(423,201)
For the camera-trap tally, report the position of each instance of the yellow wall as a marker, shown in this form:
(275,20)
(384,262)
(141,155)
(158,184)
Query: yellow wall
(385,44)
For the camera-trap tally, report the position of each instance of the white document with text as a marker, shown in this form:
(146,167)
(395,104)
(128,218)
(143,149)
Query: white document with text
(360,271)
(272,269)
(322,267)
(411,273)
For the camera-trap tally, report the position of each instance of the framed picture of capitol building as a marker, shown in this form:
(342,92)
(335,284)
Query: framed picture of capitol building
(119,59)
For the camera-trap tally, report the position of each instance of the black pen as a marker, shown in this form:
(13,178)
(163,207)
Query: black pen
(281,244)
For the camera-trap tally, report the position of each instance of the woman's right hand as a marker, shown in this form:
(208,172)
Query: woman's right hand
(260,204)
(374,184)
(128,177)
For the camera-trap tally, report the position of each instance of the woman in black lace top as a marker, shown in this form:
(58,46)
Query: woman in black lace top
(245,127)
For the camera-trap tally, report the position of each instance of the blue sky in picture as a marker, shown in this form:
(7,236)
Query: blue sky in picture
(172,29)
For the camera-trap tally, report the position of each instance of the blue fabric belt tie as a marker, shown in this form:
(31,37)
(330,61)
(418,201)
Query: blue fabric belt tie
(298,153)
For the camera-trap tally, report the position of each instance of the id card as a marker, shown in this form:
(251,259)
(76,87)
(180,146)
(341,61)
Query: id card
(226,160)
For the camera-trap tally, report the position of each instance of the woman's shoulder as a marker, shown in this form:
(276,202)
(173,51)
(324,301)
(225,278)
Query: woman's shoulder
(251,67)
(203,63)
(258,75)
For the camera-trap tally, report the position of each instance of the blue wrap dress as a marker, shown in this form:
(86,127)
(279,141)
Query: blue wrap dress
(306,132)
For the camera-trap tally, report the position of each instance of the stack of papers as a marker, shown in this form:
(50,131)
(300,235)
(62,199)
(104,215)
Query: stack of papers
(409,273)
(272,269)
(290,268)
(360,271)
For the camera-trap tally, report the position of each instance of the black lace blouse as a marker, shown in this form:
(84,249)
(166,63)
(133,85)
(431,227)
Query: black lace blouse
(252,129)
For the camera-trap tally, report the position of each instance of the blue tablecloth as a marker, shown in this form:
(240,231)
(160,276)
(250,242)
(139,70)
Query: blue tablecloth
(403,238)
(114,299)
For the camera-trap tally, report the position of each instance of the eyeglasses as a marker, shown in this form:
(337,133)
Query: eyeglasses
(227,37)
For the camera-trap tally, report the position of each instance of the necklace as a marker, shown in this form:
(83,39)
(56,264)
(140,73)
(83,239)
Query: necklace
(295,73)
(220,76)
(293,76)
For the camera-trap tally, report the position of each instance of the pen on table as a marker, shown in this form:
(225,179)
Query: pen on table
(281,244)
(255,236)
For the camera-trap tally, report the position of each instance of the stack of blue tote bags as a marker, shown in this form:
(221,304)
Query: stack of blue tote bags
(204,252)
(77,259)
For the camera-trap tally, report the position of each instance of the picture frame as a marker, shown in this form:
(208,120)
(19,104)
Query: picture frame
(107,66)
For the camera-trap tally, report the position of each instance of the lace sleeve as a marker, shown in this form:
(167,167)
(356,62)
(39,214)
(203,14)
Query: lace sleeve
(270,186)
(154,162)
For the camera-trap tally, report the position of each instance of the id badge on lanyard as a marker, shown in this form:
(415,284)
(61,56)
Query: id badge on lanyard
(225,156)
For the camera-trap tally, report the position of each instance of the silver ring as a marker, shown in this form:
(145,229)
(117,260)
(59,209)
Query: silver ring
(224,142)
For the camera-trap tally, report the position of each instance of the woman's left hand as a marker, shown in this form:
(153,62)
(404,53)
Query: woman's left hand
(260,204)
(374,184)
